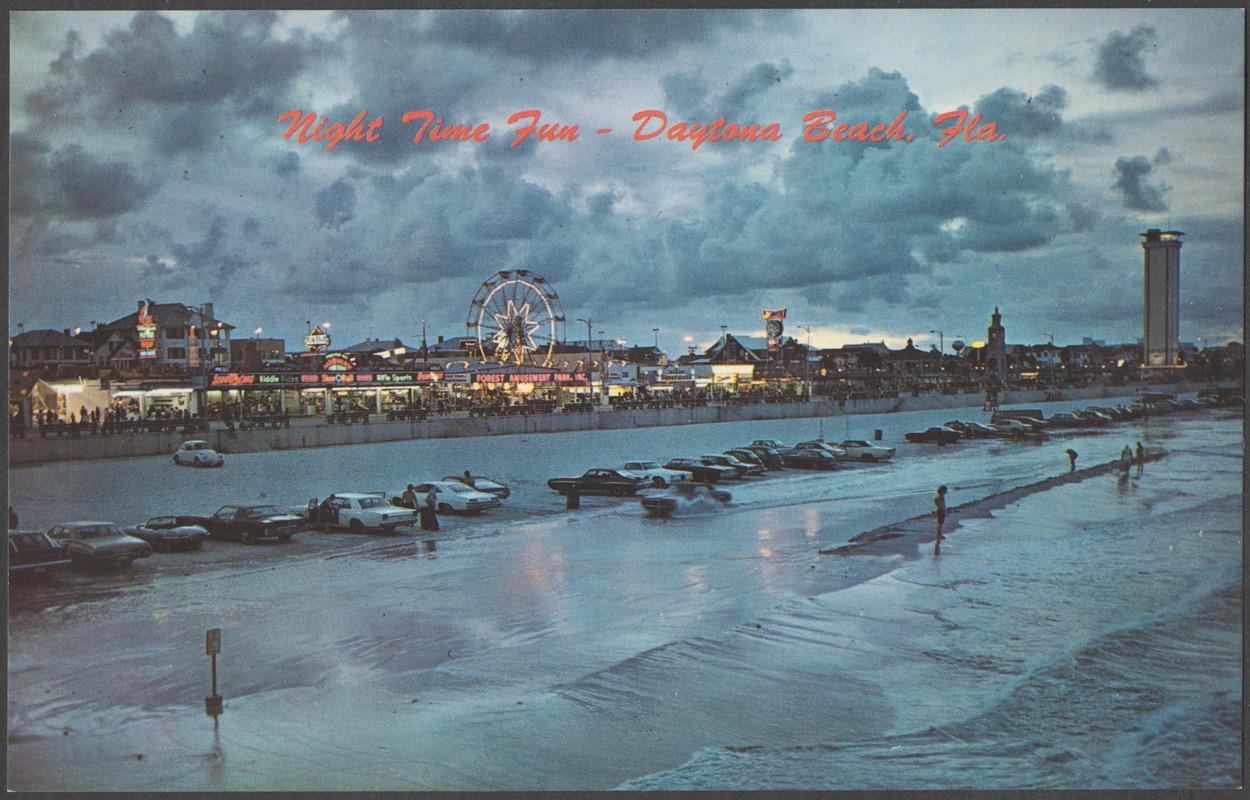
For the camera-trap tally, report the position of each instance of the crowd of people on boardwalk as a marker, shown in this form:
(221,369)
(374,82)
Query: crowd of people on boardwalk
(112,420)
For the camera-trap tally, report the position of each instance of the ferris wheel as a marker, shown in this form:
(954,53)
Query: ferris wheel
(516,316)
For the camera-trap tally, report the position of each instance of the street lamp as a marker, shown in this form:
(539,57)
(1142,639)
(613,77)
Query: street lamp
(807,363)
(656,331)
(589,355)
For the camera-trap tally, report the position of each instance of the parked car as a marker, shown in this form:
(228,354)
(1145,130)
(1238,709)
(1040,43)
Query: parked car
(808,458)
(166,534)
(33,553)
(859,450)
(658,476)
(773,443)
(493,488)
(704,473)
(693,496)
(615,482)
(1066,420)
(740,467)
(196,453)
(979,430)
(249,524)
(748,458)
(1014,427)
(451,497)
(359,512)
(1093,417)
(1116,414)
(836,452)
(769,456)
(98,543)
(938,435)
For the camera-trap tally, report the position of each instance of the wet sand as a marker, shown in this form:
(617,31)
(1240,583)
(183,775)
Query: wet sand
(904,538)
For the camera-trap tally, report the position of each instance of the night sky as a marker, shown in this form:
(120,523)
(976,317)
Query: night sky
(148,161)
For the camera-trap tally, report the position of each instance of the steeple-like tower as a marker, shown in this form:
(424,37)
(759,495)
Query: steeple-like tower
(995,345)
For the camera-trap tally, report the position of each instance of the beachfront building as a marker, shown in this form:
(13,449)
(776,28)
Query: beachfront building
(55,351)
(163,339)
(1161,268)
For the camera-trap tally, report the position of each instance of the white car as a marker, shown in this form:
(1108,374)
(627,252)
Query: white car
(836,452)
(483,485)
(859,450)
(659,476)
(359,512)
(453,496)
(196,453)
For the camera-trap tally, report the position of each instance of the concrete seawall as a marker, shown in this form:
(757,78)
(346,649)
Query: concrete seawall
(308,433)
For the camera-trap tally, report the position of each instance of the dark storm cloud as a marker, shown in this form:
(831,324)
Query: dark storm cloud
(214,260)
(1120,65)
(1130,183)
(1018,114)
(335,204)
(845,223)
(69,182)
(688,97)
(286,164)
(226,57)
(594,34)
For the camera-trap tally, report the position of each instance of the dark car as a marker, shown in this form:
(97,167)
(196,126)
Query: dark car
(248,524)
(615,482)
(32,553)
(703,473)
(98,543)
(684,495)
(166,534)
(1065,419)
(1093,417)
(808,458)
(939,435)
(741,468)
(770,457)
(749,457)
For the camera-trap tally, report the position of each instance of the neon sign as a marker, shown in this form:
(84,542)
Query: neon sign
(337,364)
(317,340)
(146,330)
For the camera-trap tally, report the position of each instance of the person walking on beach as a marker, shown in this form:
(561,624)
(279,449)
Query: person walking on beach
(1126,460)
(1139,455)
(939,504)
(1071,459)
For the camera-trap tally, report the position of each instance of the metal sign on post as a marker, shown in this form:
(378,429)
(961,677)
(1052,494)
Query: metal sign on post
(212,646)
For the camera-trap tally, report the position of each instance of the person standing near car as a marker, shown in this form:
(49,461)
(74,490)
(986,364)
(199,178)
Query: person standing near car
(427,513)
(409,498)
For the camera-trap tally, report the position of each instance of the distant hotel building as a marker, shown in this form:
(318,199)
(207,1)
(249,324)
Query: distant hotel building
(1161,298)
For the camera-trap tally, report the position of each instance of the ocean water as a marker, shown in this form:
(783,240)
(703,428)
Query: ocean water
(1084,636)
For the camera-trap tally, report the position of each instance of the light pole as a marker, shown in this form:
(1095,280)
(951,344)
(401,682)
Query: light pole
(589,355)
(807,363)
(656,331)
